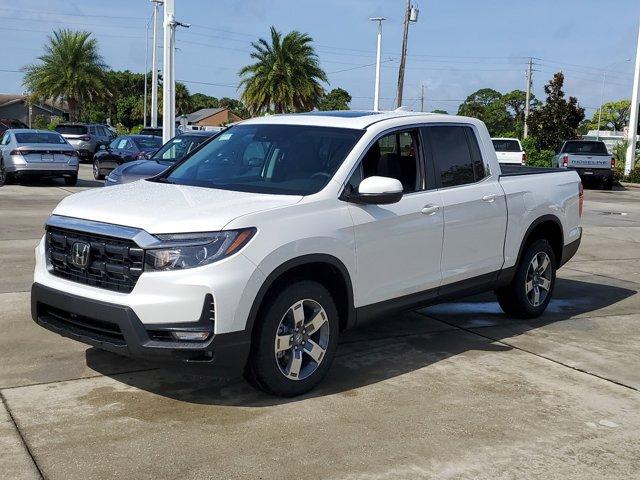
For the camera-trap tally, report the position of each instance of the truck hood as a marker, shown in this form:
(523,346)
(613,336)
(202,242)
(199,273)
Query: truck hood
(165,208)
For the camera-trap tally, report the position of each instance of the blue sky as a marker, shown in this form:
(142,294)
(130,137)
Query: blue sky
(456,47)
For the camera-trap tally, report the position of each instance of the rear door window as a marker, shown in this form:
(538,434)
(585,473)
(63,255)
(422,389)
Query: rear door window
(456,153)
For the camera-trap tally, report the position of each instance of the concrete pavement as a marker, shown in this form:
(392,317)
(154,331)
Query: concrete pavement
(454,391)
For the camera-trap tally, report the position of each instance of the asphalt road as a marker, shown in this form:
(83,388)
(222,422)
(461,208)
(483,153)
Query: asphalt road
(455,391)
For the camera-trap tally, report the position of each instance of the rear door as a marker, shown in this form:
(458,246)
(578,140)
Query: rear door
(474,204)
(398,246)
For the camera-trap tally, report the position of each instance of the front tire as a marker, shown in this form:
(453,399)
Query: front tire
(529,293)
(295,340)
(96,171)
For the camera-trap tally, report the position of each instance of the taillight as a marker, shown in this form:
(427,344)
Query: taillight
(580,198)
(524,157)
(613,162)
(71,153)
(16,152)
(84,138)
(565,160)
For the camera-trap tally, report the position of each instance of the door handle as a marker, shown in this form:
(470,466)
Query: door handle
(489,198)
(430,209)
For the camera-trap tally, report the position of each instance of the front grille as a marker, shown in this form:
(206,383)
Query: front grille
(81,325)
(114,263)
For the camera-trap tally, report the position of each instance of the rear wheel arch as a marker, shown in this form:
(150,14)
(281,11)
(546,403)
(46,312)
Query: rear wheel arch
(546,227)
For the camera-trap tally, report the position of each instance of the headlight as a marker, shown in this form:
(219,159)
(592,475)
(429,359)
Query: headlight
(195,249)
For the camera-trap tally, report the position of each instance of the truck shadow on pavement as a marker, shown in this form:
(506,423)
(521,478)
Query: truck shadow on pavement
(387,349)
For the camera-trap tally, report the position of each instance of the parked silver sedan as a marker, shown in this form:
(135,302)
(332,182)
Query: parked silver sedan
(39,153)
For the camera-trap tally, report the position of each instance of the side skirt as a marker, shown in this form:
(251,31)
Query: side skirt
(452,291)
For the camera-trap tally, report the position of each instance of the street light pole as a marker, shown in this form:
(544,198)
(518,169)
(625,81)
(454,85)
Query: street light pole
(146,55)
(633,120)
(154,66)
(168,69)
(376,92)
(604,81)
(168,87)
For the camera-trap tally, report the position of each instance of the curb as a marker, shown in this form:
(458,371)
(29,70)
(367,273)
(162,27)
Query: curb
(630,185)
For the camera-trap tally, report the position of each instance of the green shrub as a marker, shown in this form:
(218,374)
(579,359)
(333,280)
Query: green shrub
(535,156)
(136,129)
(634,175)
(121,129)
(40,122)
(53,123)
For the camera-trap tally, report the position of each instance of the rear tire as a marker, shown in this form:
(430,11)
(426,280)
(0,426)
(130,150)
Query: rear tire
(96,171)
(529,293)
(71,180)
(607,184)
(289,362)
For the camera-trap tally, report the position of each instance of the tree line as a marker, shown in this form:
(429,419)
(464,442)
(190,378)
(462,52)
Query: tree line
(285,76)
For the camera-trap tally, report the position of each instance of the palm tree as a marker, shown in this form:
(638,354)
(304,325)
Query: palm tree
(71,70)
(285,77)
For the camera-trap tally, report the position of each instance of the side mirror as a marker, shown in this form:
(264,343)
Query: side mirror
(377,191)
(102,147)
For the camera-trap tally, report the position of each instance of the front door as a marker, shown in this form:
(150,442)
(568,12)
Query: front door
(398,246)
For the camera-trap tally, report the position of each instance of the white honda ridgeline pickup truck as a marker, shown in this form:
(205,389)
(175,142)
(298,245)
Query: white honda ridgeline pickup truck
(259,248)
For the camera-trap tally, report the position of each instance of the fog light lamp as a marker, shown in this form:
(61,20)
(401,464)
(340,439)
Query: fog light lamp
(191,336)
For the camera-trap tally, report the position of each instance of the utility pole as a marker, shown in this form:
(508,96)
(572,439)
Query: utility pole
(376,91)
(410,16)
(633,120)
(528,97)
(154,66)
(422,98)
(168,69)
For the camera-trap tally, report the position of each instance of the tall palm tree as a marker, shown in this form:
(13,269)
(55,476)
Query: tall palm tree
(285,77)
(71,70)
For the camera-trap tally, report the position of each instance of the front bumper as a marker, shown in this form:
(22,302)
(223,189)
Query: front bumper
(118,329)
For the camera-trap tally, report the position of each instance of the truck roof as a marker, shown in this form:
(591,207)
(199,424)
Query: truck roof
(357,119)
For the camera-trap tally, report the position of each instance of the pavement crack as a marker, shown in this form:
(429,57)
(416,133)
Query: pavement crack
(544,357)
(25,444)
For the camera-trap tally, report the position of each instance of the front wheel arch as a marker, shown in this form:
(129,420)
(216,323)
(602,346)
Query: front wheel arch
(319,267)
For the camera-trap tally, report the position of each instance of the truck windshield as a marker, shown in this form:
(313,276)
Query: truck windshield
(585,148)
(280,159)
(506,145)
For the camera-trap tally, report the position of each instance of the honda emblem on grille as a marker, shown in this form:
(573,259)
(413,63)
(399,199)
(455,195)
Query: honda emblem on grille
(80,254)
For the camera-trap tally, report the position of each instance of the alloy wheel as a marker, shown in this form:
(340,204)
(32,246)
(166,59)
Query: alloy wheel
(302,339)
(538,280)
